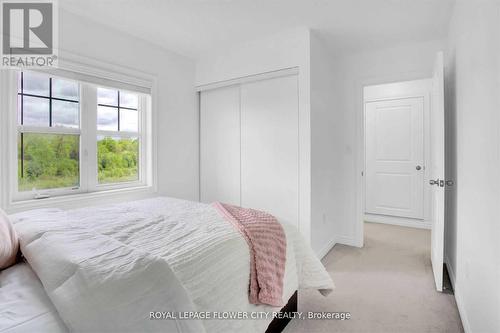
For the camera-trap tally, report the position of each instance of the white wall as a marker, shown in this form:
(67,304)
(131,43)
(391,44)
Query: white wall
(473,139)
(284,50)
(326,195)
(177,103)
(352,72)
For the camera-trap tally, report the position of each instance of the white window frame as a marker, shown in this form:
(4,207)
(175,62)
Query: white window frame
(13,143)
(90,150)
(89,186)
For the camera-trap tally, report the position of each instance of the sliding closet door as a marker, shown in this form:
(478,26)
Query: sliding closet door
(269,147)
(220,145)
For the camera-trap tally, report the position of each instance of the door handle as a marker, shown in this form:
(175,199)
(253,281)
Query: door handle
(418,167)
(438,182)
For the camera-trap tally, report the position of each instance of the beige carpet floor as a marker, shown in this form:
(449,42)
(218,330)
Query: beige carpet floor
(387,286)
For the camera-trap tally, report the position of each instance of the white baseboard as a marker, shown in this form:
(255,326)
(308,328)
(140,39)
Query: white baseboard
(458,296)
(324,251)
(451,273)
(461,309)
(401,221)
(345,240)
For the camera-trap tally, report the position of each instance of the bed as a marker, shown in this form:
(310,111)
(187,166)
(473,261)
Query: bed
(108,268)
(25,305)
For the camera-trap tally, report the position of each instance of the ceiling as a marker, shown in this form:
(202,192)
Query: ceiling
(193,27)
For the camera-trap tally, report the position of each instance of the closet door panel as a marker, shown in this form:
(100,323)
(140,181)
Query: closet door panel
(220,145)
(269,147)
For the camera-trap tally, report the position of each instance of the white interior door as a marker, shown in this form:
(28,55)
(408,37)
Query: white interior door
(269,147)
(220,145)
(437,171)
(394,157)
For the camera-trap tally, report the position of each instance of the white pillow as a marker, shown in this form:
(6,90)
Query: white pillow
(9,243)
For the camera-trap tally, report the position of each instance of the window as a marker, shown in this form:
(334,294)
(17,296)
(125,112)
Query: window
(49,133)
(117,140)
(74,137)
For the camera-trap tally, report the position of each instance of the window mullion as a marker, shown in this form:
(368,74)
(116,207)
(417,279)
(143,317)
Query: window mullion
(22,154)
(22,120)
(22,98)
(48,130)
(89,135)
(50,102)
(119,127)
(118,134)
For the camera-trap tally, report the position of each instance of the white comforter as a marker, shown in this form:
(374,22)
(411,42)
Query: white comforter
(24,304)
(107,268)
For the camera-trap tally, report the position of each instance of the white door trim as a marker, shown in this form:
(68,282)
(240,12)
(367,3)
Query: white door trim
(249,78)
(402,90)
(361,83)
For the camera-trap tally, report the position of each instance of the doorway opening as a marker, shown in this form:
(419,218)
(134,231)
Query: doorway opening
(402,163)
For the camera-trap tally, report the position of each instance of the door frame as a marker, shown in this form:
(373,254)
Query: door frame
(390,89)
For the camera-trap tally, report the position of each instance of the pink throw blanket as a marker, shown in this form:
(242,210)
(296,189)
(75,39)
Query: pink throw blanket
(267,242)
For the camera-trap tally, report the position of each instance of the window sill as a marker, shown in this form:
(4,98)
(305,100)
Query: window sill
(74,201)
